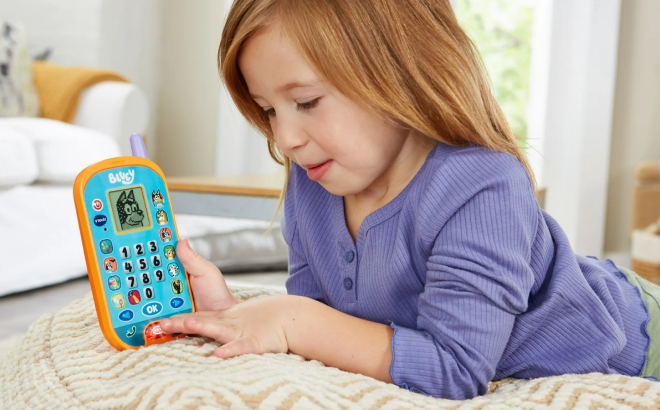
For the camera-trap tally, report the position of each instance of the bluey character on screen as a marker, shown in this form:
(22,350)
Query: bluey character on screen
(157,199)
(130,214)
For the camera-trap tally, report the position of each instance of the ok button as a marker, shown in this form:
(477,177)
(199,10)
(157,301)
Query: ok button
(348,283)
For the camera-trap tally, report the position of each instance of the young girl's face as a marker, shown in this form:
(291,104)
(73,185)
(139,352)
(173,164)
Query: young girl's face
(315,124)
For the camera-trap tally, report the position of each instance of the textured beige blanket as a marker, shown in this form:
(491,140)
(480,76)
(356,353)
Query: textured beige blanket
(64,362)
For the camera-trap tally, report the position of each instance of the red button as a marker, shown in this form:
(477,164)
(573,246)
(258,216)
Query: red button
(97,205)
(153,331)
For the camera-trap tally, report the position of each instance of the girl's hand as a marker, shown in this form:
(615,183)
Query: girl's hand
(208,285)
(255,326)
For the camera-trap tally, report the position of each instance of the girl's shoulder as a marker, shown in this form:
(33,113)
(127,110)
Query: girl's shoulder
(467,182)
(461,172)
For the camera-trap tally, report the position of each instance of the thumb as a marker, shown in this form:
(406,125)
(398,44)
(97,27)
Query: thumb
(194,264)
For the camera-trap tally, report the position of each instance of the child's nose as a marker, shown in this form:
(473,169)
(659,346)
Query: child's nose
(288,134)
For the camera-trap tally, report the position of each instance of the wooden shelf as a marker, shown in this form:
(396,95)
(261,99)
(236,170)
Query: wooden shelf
(267,185)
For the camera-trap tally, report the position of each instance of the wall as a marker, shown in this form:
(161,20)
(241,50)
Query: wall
(636,123)
(130,44)
(70,27)
(189,86)
(121,35)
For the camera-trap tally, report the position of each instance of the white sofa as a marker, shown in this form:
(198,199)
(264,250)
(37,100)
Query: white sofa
(39,159)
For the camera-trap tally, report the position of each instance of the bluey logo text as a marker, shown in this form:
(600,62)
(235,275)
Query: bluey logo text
(123,177)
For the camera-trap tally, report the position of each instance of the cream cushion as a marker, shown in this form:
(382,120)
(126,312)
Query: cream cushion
(63,362)
(63,150)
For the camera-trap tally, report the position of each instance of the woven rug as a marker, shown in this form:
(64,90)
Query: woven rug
(63,362)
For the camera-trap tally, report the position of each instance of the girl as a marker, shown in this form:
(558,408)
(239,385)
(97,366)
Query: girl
(418,254)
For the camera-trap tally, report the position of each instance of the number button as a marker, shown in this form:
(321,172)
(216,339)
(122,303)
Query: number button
(139,249)
(155,260)
(142,263)
(153,246)
(128,267)
(149,292)
(132,283)
(125,252)
(160,276)
(146,278)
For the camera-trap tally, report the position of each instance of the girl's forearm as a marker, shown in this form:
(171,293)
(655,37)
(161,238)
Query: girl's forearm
(319,332)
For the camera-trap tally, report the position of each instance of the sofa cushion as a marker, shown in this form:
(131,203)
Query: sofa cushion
(63,150)
(18,158)
(17,93)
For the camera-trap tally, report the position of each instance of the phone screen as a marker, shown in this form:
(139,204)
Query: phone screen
(129,210)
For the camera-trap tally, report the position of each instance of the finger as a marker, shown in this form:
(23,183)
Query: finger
(194,264)
(237,347)
(201,325)
(214,313)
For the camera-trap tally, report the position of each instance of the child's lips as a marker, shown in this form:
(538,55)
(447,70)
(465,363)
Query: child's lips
(317,172)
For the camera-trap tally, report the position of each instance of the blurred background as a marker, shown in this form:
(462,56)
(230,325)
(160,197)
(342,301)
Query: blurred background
(578,80)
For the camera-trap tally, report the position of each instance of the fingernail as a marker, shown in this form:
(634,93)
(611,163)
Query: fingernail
(192,321)
(164,322)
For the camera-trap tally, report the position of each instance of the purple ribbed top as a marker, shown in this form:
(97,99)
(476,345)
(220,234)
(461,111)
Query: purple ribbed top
(477,280)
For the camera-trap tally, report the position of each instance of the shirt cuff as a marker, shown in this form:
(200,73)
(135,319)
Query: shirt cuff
(411,368)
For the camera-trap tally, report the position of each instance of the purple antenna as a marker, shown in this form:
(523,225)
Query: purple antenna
(137,146)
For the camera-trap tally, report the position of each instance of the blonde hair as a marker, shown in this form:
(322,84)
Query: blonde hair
(407,60)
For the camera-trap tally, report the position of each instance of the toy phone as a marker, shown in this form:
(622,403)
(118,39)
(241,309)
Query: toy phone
(129,237)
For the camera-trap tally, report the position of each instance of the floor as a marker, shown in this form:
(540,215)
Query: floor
(20,310)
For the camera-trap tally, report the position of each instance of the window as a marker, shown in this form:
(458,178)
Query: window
(502,31)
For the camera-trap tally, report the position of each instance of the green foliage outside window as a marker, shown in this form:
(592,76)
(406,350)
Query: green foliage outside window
(502,31)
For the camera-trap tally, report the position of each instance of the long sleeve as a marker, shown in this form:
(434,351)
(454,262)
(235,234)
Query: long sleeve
(478,277)
(301,281)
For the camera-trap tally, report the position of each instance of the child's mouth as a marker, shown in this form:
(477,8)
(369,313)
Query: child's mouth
(318,171)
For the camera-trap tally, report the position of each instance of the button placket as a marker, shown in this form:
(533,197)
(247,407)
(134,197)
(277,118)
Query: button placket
(348,280)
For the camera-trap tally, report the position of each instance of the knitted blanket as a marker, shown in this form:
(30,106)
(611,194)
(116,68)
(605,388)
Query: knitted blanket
(63,362)
(59,87)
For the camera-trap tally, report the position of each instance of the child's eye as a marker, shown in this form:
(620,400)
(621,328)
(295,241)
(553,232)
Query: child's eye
(308,105)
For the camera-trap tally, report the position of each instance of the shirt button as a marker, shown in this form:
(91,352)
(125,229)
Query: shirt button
(350,255)
(348,283)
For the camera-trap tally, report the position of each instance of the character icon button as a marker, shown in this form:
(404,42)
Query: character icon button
(169,252)
(161,217)
(165,234)
(110,264)
(114,282)
(106,246)
(134,297)
(177,286)
(118,301)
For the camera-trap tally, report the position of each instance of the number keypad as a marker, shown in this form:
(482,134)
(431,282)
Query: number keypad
(128,266)
(139,249)
(145,278)
(125,252)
